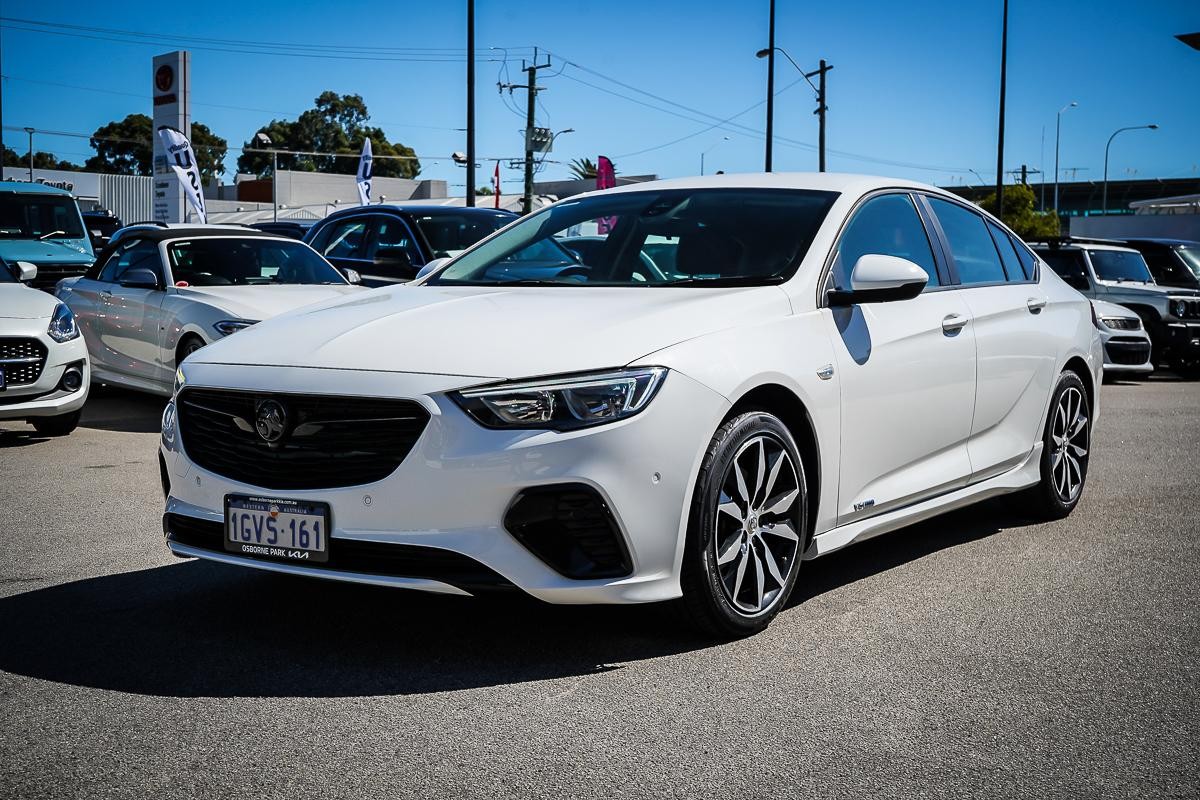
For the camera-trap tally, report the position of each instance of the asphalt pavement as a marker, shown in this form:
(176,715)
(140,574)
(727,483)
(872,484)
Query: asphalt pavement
(974,655)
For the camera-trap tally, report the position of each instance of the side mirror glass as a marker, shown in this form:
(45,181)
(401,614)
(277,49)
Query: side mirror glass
(139,279)
(881,279)
(352,276)
(26,271)
(432,266)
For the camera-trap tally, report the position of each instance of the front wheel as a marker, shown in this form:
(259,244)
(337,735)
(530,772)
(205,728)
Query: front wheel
(746,529)
(1066,443)
(56,426)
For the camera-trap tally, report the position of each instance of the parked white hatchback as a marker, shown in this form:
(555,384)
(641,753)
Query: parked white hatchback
(43,361)
(813,360)
(159,294)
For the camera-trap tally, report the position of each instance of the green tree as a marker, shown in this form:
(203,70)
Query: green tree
(335,124)
(1019,214)
(41,160)
(126,147)
(584,169)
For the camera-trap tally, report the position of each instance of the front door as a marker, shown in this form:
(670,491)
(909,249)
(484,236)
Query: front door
(131,327)
(906,370)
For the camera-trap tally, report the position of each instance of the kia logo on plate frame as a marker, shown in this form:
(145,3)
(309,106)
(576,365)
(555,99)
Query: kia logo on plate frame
(270,420)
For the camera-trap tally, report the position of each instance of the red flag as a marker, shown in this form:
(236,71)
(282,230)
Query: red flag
(606,178)
(496,185)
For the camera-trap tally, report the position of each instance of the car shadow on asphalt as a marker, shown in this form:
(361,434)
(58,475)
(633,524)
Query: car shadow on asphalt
(199,629)
(112,409)
(19,438)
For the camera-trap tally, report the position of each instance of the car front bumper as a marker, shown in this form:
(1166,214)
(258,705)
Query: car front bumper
(44,397)
(454,490)
(1126,351)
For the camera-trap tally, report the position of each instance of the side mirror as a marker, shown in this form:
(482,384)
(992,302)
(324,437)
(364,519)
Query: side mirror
(26,271)
(881,279)
(353,277)
(393,256)
(139,279)
(436,264)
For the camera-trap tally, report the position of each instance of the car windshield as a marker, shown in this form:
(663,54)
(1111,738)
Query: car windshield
(6,272)
(450,234)
(35,216)
(1191,256)
(247,261)
(1120,265)
(675,237)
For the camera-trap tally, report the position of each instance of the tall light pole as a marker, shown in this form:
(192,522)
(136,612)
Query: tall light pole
(770,87)
(30,131)
(263,140)
(1000,135)
(470,200)
(1151,127)
(1057,137)
(819,89)
(705,152)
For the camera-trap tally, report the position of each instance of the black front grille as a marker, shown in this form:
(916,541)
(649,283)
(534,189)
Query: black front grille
(50,274)
(22,360)
(327,441)
(570,527)
(352,555)
(1185,307)
(1127,350)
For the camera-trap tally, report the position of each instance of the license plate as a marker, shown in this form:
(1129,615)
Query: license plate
(267,527)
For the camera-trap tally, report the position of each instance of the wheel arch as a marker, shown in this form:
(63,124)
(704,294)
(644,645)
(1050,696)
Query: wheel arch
(785,404)
(1077,365)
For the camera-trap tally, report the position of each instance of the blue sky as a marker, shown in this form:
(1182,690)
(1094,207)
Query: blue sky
(914,84)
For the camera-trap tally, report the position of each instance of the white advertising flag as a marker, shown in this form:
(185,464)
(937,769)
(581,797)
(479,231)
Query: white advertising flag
(182,160)
(364,174)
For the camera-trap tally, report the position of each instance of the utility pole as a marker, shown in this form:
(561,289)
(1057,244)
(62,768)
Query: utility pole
(531,89)
(1000,134)
(820,112)
(770,89)
(30,131)
(470,201)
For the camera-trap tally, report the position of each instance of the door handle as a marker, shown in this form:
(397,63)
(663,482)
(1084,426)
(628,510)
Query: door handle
(1035,304)
(953,323)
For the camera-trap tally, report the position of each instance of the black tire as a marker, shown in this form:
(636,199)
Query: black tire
(760,543)
(56,426)
(1062,463)
(190,344)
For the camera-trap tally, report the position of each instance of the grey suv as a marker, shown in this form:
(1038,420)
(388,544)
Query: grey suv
(1119,274)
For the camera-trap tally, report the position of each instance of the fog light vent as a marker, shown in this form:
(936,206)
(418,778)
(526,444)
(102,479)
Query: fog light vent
(570,527)
(72,377)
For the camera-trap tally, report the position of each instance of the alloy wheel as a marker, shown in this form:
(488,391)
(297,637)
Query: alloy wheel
(756,541)
(1069,444)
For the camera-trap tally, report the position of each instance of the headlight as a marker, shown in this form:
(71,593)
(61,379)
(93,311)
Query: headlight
(228,326)
(565,403)
(1178,308)
(168,424)
(62,324)
(180,380)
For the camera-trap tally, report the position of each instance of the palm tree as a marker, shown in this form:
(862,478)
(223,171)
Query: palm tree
(583,168)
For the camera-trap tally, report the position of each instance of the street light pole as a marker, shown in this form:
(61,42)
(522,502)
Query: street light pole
(30,131)
(770,88)
(1057,138)
(820,90)
(470,200)
(1000,134)
(275,186)
(1151,127)
(710,149)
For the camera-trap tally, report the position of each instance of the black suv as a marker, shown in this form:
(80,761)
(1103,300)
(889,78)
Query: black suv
(390,243)
(1173,262)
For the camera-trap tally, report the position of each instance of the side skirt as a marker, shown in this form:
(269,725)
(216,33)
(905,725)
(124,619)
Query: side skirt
(1022,476)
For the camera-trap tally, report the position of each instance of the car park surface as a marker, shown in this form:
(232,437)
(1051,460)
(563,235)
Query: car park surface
(977,654)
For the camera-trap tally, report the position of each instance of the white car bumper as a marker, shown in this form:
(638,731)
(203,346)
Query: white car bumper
(457,485)
(1126,351)
(44,397)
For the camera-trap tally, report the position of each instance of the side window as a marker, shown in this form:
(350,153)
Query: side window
(1008,255)
(890,226)
(393,242)
(345,238)
(1026,257)
(1069,266)
(971,245)
(138,254)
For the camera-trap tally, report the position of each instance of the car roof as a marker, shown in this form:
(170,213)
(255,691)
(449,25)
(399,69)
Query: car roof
(157,234)
(845,183)
(25,187)
(1160,240)
(1081,246)
(418,208)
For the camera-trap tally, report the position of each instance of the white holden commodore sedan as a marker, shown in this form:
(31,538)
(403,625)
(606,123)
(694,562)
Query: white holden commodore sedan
(159,294)
(812,360)
(43,361)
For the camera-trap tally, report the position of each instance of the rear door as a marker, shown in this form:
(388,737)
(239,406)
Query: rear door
(1014,357)
(392,252)
(907,370)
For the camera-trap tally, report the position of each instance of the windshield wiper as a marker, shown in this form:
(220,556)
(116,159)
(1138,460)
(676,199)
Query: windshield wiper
(729,280)
(51,233)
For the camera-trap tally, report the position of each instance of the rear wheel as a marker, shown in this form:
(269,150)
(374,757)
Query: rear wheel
(746,531)
(56,426)
(1066,443)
